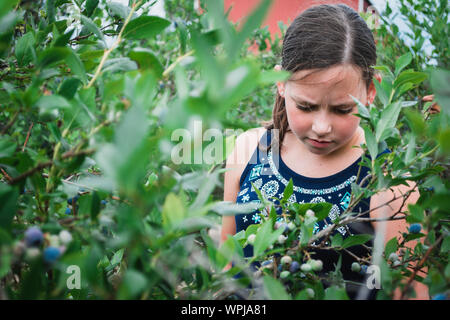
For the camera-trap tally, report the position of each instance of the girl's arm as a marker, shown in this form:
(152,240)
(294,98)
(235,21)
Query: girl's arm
(395,227)
(236,162)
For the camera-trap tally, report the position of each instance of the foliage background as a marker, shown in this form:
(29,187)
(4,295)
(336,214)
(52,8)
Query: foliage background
(86,124)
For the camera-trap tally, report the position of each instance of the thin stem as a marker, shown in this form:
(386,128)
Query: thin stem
(115,44)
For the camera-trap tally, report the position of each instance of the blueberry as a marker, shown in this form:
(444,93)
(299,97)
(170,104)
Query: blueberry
(73,200)
(51,254)
(393,257)
(415,228)
(305,267)
(356,267)
(294,267)
(280,268)
(104,202)
(440,296)
(363,269)
(286,260)
(310,292)
(284,274)
(68,210)
(282,239)
(316,265)
(33,237)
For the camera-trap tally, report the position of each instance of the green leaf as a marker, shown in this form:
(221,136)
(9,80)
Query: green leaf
(371,143)
(265,238)
(6,6)
(52,56)
(409,76)
(335,293)
(7,147)
(76,66)
(8,199)
(289,190)
(120,10)
(69,88)
(356,240)
(271,76)
(173,210)
(444,140)
(382,93)
(252,22)
(145,27)
(52,102)
(438,80)
(336,240)
(90,7)
(133,283)
(391,247)
(274,289)
(25,49)
(146,59)
(402,62)
(388,119)
(92,27)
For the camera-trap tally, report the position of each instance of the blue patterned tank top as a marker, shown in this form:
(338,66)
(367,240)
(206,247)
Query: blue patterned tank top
(268,172)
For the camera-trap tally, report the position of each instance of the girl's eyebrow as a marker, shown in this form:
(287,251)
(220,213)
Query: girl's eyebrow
(309,104)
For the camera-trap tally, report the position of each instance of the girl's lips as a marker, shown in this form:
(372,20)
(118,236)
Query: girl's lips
(319,144)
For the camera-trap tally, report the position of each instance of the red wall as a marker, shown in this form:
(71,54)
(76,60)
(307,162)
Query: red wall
(281,10)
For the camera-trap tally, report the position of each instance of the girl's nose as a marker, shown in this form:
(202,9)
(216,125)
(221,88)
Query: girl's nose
(321,124)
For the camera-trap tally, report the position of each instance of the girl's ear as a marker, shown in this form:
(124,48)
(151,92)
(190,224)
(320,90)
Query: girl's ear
(280,85)
(372,91)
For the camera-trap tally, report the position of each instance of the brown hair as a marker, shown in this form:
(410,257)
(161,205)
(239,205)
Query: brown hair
(320,37)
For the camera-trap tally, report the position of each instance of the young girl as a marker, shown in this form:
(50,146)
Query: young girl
(314,137)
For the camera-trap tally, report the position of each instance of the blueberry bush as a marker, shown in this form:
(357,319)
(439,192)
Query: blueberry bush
(91,94)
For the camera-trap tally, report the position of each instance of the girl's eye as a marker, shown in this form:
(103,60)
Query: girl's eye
(303,108)
(344,111)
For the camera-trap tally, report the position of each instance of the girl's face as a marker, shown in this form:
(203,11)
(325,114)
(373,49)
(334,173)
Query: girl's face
(320,108)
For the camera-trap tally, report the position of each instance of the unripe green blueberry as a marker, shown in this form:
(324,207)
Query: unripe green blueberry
(251,238)
(282,239)
(65,237)
(291,226)
(54,241)
(306,267)
(356,267)
(396,263)
(393,257)
(316,265)
(310,292)
(286,260)
(284,274)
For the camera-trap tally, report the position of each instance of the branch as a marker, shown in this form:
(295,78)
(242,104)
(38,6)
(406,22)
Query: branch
(419,266)
(40,166)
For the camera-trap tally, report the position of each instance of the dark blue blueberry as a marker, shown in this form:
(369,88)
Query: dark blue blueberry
(294,267)
(73,200)
(280,268)
(415,228)
(103,202)
(68,210)
(51,254)
(33,237)
(363,269)
(440,296)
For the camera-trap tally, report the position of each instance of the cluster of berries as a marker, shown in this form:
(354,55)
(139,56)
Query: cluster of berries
(55,245)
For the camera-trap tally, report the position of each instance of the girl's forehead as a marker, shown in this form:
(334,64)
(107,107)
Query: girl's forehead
(328,76)
(335,83)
